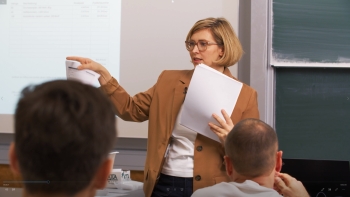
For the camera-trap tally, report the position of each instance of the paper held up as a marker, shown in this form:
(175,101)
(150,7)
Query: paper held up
(85,76)
(209,92)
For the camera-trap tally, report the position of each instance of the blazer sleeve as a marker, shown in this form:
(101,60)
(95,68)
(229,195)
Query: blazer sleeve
(129,108)
(252,110)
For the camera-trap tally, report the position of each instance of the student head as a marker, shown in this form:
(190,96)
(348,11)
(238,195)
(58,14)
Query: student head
(227,49)
(252,151)
(64,131)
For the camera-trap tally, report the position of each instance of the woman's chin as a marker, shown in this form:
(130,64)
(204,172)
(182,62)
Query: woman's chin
(196,63)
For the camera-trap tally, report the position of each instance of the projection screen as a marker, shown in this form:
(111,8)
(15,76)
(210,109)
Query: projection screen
(134,39)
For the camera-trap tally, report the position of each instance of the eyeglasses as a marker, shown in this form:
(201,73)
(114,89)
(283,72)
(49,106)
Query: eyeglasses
(202,45)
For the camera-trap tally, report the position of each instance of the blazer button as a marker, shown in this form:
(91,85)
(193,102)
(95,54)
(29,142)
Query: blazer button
(199,148)
(198,178)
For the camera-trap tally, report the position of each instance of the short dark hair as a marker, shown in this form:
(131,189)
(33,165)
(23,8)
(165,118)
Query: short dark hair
(252,146)
(64,130)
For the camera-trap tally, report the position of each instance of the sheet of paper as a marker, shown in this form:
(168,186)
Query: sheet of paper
(85,76)
(209,92)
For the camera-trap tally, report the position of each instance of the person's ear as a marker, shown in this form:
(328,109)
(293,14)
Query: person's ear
(228,165)
(14,166)
(279,162)
(221,52)
(101,176)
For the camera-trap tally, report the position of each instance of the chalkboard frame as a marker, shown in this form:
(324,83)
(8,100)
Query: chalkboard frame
(290,150)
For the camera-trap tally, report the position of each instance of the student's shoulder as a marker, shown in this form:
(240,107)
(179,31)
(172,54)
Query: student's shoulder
(223,189)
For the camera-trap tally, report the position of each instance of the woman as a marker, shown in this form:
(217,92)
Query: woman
(192,161)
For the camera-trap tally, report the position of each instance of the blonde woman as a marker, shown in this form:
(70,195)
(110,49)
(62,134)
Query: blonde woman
(193,160)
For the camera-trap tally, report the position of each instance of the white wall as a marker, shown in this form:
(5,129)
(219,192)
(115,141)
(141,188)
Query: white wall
(161,26)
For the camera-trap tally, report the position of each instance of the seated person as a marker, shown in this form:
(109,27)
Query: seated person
(253,163)
(64,131)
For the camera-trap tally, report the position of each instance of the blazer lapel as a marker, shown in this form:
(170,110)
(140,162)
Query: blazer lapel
(179,96)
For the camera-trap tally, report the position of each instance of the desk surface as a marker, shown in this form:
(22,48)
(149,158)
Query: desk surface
(17,192)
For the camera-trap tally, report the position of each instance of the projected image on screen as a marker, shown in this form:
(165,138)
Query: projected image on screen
(37,35)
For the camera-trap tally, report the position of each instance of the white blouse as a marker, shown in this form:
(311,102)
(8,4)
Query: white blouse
(179,160)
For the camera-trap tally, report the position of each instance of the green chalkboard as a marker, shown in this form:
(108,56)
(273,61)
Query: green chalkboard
(312,114)
(311,31)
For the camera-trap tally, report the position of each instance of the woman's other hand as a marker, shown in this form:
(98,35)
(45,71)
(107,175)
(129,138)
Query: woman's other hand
(87,63)
(224,128)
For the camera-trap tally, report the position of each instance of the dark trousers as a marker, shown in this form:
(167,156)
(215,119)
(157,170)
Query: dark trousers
(173,186)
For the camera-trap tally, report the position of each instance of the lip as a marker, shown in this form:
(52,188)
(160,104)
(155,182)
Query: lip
(196,60)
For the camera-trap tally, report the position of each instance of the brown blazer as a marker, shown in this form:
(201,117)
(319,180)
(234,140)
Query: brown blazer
(160,105)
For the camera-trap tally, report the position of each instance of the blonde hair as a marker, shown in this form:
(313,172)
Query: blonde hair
(224,35)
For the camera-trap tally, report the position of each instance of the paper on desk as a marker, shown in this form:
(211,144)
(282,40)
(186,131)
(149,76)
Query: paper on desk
(209,92)
(85,76)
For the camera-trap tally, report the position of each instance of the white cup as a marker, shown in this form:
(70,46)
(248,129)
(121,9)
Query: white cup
(112,156)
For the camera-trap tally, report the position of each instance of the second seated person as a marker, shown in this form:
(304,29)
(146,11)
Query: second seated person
(193,161)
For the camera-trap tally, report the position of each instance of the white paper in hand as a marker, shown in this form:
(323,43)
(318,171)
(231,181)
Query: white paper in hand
(85,76)
(209,92)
